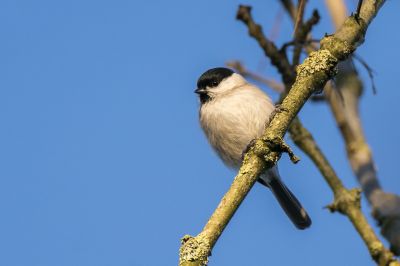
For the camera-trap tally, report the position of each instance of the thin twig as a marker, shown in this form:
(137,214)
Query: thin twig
(292,43)
(290,8)
(276,26)
(273,84)
(370,71)
(299,16)
(302,34)
(277,58)
(239,68)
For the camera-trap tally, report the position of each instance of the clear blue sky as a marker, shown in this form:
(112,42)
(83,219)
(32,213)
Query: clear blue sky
(102,158)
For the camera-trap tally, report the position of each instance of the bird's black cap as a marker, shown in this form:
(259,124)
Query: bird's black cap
(213,76)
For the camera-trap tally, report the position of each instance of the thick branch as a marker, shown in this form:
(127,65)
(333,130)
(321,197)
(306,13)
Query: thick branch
(316,70)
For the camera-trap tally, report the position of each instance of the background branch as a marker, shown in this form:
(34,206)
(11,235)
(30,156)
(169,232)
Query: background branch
(299,16)
(385,206)
(302,35)
(290,8)
(240,68)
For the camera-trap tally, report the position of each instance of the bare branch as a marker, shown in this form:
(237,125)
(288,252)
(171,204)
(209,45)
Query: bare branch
(275,85)
(290,8)
(299,15)
(301,36)
(239,68)
(370,71)
(337,10)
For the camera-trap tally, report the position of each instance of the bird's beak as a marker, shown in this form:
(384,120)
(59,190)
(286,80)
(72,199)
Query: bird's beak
(200,91)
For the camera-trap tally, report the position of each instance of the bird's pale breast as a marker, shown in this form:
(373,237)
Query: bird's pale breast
(230,122)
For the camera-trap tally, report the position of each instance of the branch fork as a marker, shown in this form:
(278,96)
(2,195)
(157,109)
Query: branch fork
(346,199)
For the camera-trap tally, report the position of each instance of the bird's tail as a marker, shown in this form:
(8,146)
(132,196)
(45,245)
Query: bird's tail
(289,203)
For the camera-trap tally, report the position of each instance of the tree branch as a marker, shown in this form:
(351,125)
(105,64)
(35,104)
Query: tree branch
(301,36)
(290,8)
(299,16)
(337,10)
(273,84)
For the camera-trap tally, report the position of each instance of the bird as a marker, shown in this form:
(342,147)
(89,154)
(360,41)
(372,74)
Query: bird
(232,114)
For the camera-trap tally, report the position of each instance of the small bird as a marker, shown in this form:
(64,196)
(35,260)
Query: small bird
(232,114)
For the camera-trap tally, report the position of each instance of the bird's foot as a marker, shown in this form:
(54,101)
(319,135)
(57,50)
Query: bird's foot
(248,147)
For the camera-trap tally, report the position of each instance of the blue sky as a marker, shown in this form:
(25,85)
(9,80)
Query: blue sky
(102,158)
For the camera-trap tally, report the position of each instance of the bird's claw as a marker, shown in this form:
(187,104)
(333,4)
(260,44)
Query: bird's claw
(248,147)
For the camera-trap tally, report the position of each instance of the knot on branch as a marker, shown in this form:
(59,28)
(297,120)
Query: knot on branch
(340,49)
(271,148)
(345,200)
(194,251)
(321,60)
(243,13)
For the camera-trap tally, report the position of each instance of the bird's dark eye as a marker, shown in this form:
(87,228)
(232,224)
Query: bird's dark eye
(214,84)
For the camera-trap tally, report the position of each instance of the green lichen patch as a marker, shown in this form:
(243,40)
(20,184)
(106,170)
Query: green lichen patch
(194,249)
(340,49)
(319,61)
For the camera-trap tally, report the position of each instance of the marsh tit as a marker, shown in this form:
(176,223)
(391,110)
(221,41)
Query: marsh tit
(232,114)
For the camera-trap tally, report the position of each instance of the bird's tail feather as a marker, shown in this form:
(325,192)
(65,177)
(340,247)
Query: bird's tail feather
(289,203)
